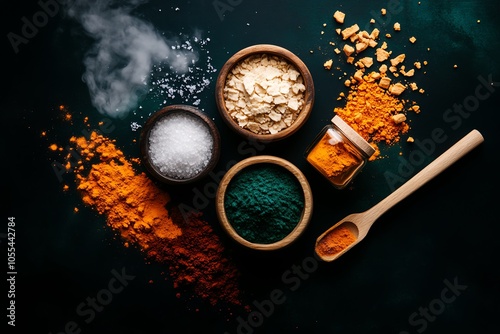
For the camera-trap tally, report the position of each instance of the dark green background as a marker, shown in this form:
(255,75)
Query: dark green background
(447,230)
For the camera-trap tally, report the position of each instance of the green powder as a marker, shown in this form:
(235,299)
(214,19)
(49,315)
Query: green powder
(264,203)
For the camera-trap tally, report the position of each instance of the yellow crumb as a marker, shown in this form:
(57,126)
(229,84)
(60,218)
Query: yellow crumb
(339,16)
(328,64)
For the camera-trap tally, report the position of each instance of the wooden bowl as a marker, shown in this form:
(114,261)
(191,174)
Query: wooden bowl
(271,50)
(264,159)
(166,112)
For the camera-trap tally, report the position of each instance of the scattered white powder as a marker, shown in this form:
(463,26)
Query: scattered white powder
(169,86)
(180,146)
(135,126)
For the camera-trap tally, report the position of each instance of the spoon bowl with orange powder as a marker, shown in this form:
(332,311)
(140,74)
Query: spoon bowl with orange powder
(348,232)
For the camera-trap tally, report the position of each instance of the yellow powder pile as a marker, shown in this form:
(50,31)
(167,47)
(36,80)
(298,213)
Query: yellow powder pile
(374,107)
(370,110)
(143,216)
(131,202)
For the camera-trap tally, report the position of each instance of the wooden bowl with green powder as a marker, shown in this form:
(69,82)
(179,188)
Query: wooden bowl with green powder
(264,202)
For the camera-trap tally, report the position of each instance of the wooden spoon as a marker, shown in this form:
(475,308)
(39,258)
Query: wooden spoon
(359,223)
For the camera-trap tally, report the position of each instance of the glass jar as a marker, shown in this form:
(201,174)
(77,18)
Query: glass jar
(339,152)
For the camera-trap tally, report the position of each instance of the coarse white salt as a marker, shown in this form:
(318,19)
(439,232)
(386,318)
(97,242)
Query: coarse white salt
(180,146)
(166,81)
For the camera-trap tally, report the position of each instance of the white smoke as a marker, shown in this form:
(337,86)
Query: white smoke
(118,66)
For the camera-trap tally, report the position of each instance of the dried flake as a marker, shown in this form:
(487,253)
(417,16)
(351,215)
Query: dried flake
(409,73)
(328,64)
(339,16)
(348,32)
(361,46)
(399,118)
(358,75)
(398,59)
(348,50)
(385,82)
(382,55)
(397,89)
(367,61)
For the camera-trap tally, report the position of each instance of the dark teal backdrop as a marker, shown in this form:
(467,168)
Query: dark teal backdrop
(429,265)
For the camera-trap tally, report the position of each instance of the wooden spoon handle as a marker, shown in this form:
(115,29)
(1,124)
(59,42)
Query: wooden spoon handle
(450,156)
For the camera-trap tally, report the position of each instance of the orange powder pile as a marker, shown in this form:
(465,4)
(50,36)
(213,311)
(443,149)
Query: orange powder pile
(143,216)
(374,104)
(333,160)
(370,109)
(335,241)
(133,205)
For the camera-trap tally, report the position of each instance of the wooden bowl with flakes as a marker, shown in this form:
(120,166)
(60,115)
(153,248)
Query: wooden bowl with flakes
(264,92)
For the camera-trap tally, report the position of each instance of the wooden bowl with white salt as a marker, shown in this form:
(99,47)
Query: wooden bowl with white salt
(179,144)
(264,92)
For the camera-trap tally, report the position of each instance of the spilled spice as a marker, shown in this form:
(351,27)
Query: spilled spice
(143,216)
(370,109)
(132,204)
(335,241)
(374,107)
(196,260)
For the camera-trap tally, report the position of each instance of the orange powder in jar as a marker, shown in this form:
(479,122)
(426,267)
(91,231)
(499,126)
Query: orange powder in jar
(333,160)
